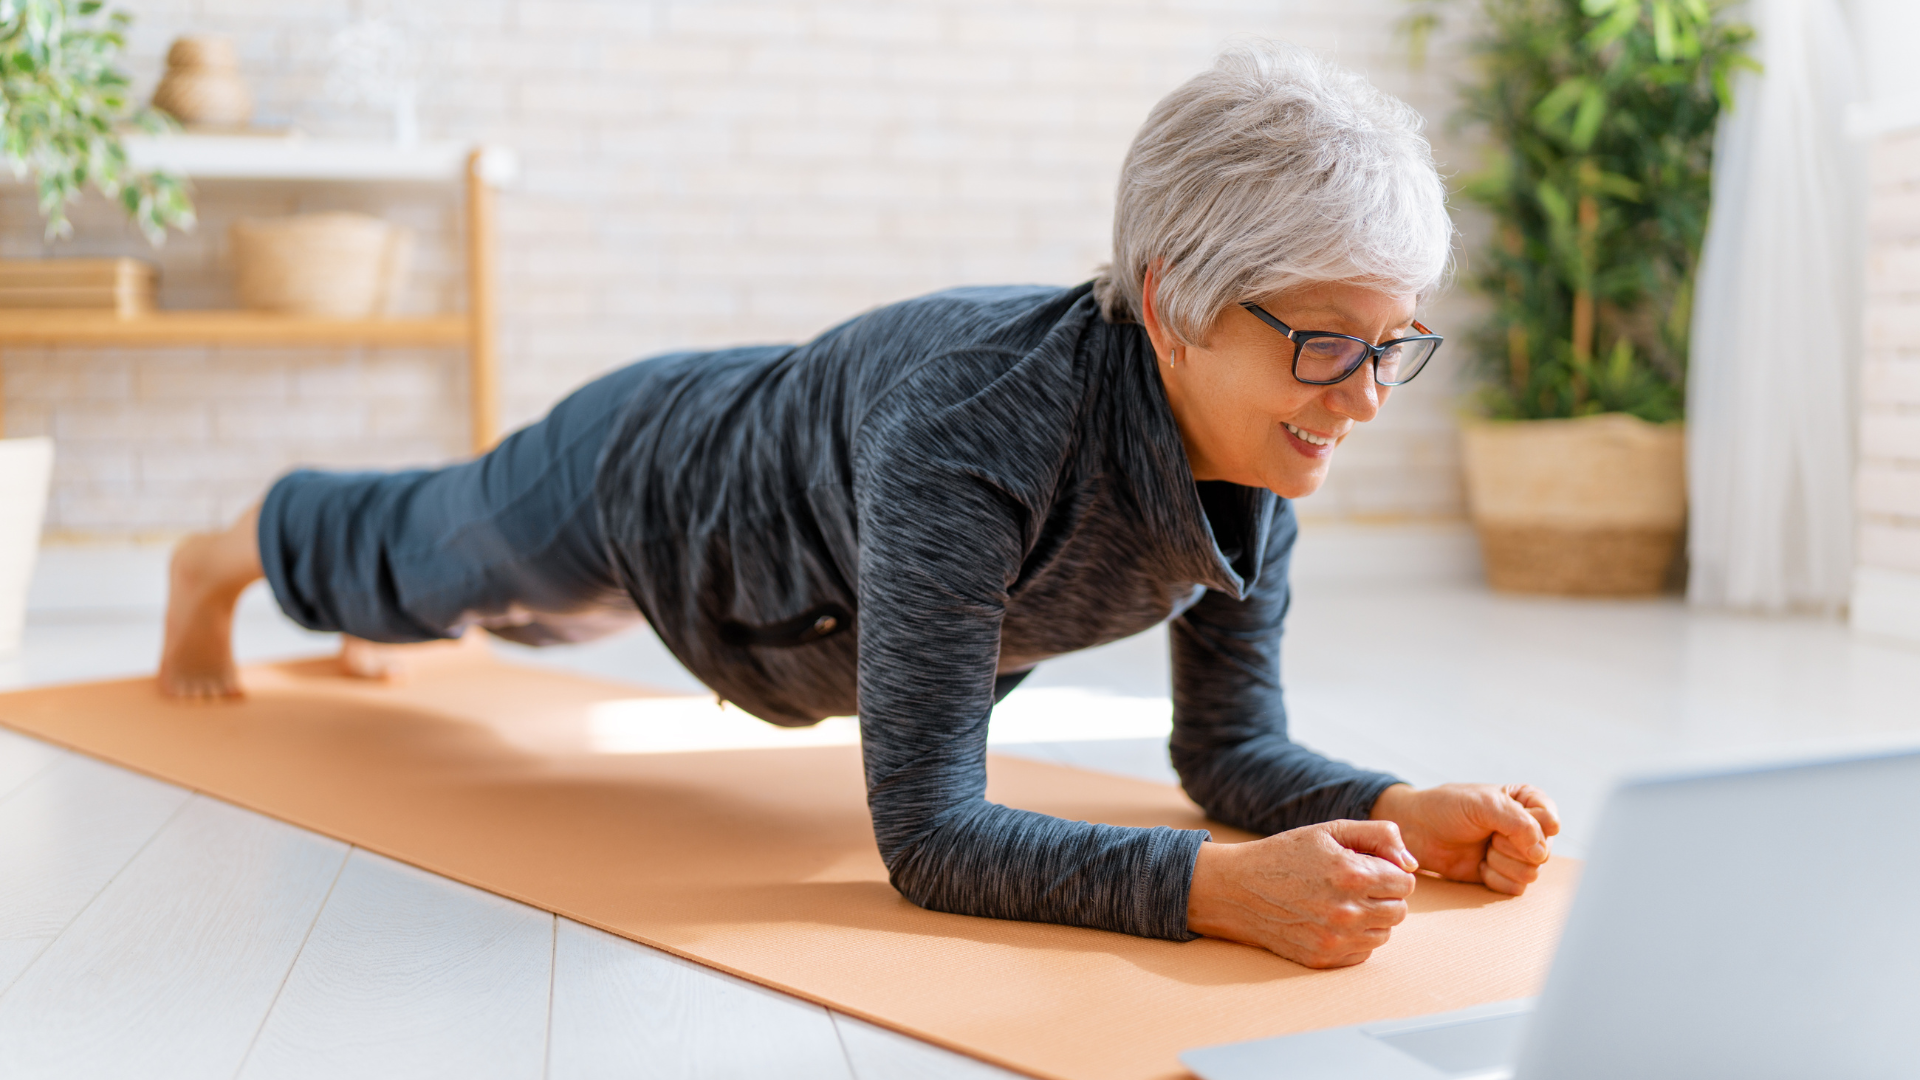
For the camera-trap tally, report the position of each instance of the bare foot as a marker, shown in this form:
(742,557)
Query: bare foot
(197,660)
(204,581)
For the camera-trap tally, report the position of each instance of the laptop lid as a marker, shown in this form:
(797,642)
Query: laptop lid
(1759,923)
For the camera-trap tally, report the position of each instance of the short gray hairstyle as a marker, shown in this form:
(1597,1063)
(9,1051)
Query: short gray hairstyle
(1275,169)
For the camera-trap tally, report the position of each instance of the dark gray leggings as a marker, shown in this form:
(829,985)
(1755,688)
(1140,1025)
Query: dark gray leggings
(510,541)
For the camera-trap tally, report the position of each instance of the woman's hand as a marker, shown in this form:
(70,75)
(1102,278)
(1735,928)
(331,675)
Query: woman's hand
(1325,895)
(1498,836)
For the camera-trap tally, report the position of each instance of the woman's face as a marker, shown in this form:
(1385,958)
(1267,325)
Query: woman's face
(1242,414)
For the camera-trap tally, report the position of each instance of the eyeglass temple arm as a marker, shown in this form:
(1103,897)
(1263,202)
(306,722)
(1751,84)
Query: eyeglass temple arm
(1268,318)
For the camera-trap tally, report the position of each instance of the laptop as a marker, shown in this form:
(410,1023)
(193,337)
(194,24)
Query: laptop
(1756,923)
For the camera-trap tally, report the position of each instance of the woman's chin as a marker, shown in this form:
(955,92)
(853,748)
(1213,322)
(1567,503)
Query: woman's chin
(1296,483)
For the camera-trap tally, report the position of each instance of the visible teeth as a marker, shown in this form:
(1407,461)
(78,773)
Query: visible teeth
(1306,436)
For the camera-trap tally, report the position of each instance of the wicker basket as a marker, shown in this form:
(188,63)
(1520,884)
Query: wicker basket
(1589,507)
(202,86)
(336,265)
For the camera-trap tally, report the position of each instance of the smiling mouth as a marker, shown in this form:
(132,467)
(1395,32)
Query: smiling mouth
(1306,436)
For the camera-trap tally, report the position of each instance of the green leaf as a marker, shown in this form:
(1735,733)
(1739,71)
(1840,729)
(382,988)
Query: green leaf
(1663,31)
(1615,26)
(1606,183)
(1558,101)
(1558,207)
(1586,123)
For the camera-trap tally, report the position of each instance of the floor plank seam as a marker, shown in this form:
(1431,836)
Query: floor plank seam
(98,893)
(61,756)
(254,1042)
(840,1036)
(553,978)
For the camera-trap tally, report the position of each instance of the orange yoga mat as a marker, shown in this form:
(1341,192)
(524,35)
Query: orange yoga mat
(762,863)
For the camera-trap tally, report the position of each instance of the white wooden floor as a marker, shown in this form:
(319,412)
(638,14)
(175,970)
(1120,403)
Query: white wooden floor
(148,931)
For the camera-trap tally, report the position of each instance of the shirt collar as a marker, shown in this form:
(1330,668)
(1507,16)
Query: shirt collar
(1213,532)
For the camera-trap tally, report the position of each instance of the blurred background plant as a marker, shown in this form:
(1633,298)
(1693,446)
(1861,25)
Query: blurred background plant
(1601,115)
(63,104)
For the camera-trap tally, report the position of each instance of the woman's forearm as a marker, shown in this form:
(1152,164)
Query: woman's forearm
(998,862)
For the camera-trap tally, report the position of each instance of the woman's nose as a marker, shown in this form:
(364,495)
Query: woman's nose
(1357,396)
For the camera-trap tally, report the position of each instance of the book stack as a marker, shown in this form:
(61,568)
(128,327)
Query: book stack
(124,287)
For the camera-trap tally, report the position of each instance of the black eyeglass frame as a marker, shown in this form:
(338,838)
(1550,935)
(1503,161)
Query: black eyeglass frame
(1372,352)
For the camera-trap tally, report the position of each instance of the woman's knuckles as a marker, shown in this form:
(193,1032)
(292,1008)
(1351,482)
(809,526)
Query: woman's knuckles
(1345,916)
(1328,941)
(1351,879)
(1520,870)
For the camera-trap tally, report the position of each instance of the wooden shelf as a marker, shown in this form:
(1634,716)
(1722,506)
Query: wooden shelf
(480,169)
(297,157)
(225,328)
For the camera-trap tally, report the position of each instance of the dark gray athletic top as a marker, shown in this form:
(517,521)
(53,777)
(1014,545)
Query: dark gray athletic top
(904,516)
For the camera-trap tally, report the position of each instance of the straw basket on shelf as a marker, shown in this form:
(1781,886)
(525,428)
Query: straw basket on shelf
(334,265)
(1590,507)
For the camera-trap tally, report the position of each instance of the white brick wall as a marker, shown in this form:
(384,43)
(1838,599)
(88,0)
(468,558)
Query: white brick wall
(694,174)
(1888,486)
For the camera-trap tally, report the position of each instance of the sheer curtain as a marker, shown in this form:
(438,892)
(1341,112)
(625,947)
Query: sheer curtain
(1776,326)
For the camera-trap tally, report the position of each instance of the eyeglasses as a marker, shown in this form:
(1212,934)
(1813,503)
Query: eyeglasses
(1322,359)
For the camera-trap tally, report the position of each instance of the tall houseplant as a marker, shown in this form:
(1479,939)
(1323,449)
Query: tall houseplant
(63,102)
(1600,115)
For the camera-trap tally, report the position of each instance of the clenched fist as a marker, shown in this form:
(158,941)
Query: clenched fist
(1325,895)
(1498,836)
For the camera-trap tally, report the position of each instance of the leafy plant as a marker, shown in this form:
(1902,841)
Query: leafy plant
(1601,115)
(62,103)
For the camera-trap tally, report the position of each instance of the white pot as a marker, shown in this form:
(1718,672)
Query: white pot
(26,467)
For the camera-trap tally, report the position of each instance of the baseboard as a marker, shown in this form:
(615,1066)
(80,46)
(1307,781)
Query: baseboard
(98,577)
(1397,553)
(1886,603)
(133,575)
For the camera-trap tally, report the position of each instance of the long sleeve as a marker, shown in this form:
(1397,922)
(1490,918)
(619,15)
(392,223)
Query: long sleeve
(941,544)
(975,480)
(1230,743)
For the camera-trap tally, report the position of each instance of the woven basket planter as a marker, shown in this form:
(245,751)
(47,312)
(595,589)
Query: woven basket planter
(1589,507)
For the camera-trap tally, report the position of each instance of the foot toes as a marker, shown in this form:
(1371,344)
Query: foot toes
(206,689)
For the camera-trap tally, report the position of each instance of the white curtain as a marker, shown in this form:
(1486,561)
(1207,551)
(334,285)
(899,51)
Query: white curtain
(1776,326)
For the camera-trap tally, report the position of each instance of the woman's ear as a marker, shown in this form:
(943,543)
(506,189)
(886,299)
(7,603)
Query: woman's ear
(1165,348)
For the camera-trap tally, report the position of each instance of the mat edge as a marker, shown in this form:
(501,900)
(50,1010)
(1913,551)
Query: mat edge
(724,969)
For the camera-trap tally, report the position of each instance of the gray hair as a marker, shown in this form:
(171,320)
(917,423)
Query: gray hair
(1275,169)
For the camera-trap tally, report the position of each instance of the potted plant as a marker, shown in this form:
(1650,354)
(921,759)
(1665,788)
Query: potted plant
(1600,115)
(62,103)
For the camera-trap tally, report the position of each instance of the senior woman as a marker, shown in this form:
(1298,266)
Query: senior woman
(902,517)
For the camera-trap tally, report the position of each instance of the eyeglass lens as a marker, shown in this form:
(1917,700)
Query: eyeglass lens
(1330,359)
